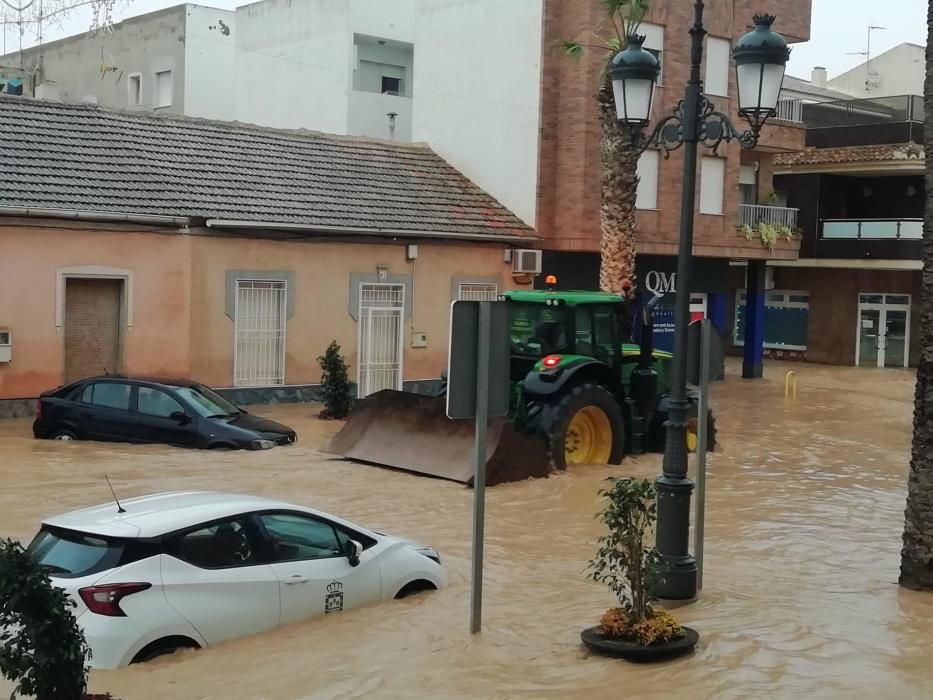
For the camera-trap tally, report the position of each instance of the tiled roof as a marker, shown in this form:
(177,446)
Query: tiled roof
(851,154)
(793,84)
(84,157)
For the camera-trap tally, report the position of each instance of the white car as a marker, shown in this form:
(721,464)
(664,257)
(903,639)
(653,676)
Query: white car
(175,570)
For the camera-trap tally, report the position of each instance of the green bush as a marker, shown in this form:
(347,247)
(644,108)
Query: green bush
(42,649)
(628,566)
(335,383)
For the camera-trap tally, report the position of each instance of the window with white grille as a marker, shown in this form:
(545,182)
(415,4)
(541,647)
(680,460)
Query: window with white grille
(259,331)
(382,308)
(478,291)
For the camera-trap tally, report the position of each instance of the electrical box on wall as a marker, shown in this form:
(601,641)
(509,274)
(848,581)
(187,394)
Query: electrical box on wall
(6,345)
(419,339)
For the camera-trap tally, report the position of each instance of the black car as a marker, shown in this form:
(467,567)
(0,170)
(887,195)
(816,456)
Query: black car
(169,411)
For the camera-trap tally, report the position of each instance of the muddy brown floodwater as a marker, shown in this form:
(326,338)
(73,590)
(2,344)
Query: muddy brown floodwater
(804,520)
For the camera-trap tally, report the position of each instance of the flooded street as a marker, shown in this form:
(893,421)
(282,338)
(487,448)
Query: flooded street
(804,521)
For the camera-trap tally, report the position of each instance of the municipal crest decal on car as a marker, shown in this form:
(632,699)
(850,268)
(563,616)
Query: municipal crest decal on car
(333,601)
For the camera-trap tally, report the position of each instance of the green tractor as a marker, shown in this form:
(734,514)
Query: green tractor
(582,393)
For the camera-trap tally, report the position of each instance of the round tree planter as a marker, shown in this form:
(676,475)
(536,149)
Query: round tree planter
(630,651)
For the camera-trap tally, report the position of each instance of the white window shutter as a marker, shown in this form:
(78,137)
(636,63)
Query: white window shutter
(647,197)
(718,53)
(712,182)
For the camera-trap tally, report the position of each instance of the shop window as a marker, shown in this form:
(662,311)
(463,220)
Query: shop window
(787,318)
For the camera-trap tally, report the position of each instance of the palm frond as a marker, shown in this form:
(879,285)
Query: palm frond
(570,49)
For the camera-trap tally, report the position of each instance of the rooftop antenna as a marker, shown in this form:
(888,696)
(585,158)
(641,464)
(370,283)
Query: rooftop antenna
(869,75)
(120,509)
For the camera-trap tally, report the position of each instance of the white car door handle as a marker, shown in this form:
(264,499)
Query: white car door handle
(291,580)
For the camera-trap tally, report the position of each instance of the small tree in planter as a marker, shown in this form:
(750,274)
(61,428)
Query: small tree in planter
(627,566)
(42,649)
(335,383)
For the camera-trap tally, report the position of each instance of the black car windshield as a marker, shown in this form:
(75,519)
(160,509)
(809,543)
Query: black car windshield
(206,402)
(538,330)
(70,554)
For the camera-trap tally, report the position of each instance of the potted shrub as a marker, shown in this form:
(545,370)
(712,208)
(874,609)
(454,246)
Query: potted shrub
(336,390)
(42,649)
(634,630)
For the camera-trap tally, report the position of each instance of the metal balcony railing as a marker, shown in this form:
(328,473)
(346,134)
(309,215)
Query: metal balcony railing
(873,229)
(790,110)
(755,214)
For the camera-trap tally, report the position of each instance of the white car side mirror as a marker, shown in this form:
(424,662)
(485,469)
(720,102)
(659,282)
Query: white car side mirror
(354,550)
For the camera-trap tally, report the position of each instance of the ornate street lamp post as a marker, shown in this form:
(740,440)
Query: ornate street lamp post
(760,58)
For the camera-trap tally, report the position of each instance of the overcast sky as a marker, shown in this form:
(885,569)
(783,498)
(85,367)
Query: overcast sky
(839,28)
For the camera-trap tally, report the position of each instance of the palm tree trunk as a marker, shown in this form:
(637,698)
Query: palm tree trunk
(917,553)
(618,185)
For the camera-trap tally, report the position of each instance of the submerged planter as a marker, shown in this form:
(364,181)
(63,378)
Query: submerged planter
(632,651)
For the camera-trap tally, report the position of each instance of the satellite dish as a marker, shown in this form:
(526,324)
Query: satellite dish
(89,100)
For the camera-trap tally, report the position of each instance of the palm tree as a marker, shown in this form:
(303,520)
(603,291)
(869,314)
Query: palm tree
(618,180)
(917,553)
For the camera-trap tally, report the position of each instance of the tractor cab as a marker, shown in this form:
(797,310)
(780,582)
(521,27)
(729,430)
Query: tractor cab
(548,328)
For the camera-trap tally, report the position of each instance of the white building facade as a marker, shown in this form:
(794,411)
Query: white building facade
(399,70)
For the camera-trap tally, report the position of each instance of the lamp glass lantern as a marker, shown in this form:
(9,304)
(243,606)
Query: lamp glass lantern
(634,72)
(760,60)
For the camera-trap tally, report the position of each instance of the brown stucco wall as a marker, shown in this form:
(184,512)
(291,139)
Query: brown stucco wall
(322,273)
(179,284)
(30,256)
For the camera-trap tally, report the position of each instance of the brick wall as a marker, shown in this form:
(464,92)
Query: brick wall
(568,185)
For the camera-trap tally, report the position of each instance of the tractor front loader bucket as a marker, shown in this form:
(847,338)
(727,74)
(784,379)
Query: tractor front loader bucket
(412,432)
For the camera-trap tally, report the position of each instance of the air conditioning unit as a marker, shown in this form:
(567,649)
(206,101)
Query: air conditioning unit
(526,262)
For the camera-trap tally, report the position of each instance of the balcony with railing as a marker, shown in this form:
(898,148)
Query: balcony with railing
(756,214)
(790,110)
(872,229)
(862,122)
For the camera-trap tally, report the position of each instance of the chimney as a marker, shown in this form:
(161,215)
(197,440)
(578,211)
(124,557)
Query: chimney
(818,77)
(392,116)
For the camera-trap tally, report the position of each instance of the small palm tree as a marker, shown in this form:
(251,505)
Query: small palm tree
(917,553)
(618,181)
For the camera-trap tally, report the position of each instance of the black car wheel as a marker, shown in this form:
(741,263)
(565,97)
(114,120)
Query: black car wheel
(63,434)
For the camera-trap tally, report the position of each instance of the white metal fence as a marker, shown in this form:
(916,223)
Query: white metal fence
(380,347)
(790,110)
(476,291)
(259,333)
(754,214)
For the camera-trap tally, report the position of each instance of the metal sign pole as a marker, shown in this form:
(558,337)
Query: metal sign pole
(703,429)
(479,456)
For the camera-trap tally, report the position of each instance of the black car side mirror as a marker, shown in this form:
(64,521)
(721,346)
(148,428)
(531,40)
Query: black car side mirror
(353,551)
(180,417)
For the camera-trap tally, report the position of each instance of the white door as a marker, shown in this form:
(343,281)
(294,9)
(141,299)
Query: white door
(214,581)
(883,336)
(382,309)
(315,575)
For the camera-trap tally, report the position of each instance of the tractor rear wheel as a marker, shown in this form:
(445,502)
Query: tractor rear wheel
(587,427)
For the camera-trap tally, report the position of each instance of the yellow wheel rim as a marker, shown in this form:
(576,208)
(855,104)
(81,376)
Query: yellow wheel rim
(589,437)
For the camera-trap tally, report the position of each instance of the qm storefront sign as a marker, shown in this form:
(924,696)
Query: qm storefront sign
(657,276)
